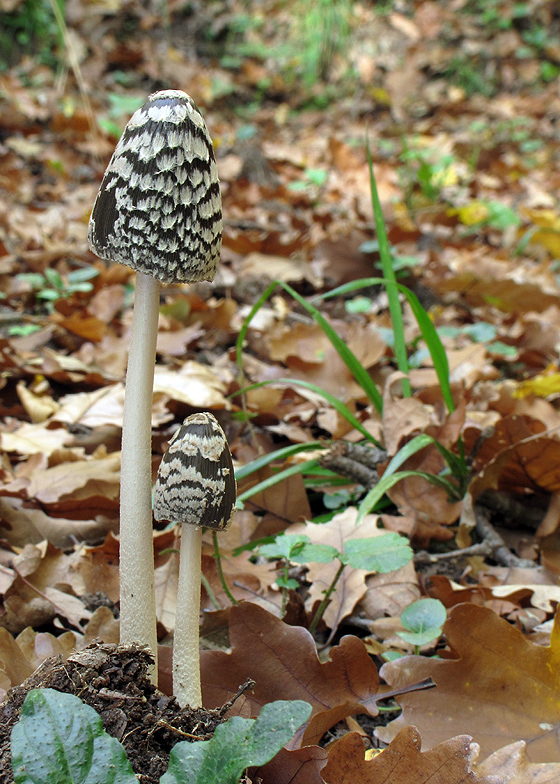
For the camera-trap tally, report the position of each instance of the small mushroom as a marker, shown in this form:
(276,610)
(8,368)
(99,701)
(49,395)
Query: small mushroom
(195,486)
(158,210)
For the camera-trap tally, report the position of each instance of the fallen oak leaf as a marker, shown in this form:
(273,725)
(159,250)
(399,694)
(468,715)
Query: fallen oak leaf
(403,762)
(283,661)
(298,766)
(500,687)
(512,764)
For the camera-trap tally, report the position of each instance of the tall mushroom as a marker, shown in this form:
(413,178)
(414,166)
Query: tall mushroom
(195,486)
(159,211)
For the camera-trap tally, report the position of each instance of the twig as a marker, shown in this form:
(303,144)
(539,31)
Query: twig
(422,557)
(354,461)
(249,684)
(501,553)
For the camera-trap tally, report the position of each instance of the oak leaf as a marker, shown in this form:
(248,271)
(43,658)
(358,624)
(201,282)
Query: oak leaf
(512,764)
(402,762)
(499,688)
(283,662)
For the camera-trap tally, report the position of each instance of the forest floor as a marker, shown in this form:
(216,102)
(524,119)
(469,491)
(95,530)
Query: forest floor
(460,105)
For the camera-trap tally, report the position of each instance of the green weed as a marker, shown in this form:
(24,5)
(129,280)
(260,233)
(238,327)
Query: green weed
(455,478)
(30,29)
(384,553)
(50,286)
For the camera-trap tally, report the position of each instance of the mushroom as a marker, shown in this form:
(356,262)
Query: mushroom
(159,211)
(195,486)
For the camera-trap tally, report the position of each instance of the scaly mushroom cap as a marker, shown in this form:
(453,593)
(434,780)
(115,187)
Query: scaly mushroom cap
(195,482)
(159,208)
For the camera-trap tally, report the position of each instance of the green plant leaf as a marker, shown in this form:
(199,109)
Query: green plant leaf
(236,745)
(384,553)
(54,278)
(424,614)
(385,483)
(278,454)
(347,356)
(75,287)
(59,740)
(424,620)
(435,346)
(285,546)
(317,553)
(35,279)
(390,279)
(300,468)
(427,329)
(83,274)
(49,294)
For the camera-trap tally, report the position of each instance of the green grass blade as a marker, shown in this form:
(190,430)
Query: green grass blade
(279,454)
(386,483)
(413,446)
(337,404)
(348,288)
(435,346)
(300,468)
(350,360)
(391,281)
(243,331)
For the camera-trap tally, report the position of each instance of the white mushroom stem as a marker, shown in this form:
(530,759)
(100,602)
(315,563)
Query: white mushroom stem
(186,653)
(136,561)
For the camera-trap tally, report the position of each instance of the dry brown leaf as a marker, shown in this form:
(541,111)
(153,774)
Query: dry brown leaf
(500,687)
(517,459)
(516,288)
(31,438)
(511,764)
(20,657)
(286,500)
(102,626)
(32,525)
(297,766)
(194,384)
(95,475)
(391,593)
(402,762)
(283,661)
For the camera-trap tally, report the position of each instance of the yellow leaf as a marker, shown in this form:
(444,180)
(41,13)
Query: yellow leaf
(472,213)
(540,386)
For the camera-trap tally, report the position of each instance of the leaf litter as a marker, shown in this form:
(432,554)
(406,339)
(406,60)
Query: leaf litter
(466,162)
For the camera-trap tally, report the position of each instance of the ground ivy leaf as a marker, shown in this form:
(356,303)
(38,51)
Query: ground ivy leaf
(286,546)
(318,553)
(237,744)
(60,739)
(384,553)
(424,615)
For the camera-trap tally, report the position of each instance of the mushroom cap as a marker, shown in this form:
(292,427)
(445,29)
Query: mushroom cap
(195,482)
(159,208)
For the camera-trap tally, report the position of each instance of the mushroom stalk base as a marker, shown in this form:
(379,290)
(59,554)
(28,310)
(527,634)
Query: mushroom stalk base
(186,654)
(136,561)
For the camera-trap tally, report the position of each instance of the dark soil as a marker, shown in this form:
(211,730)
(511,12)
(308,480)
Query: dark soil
(113,680)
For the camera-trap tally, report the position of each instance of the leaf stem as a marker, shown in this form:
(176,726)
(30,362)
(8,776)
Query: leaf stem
(323,606)
(221,575)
